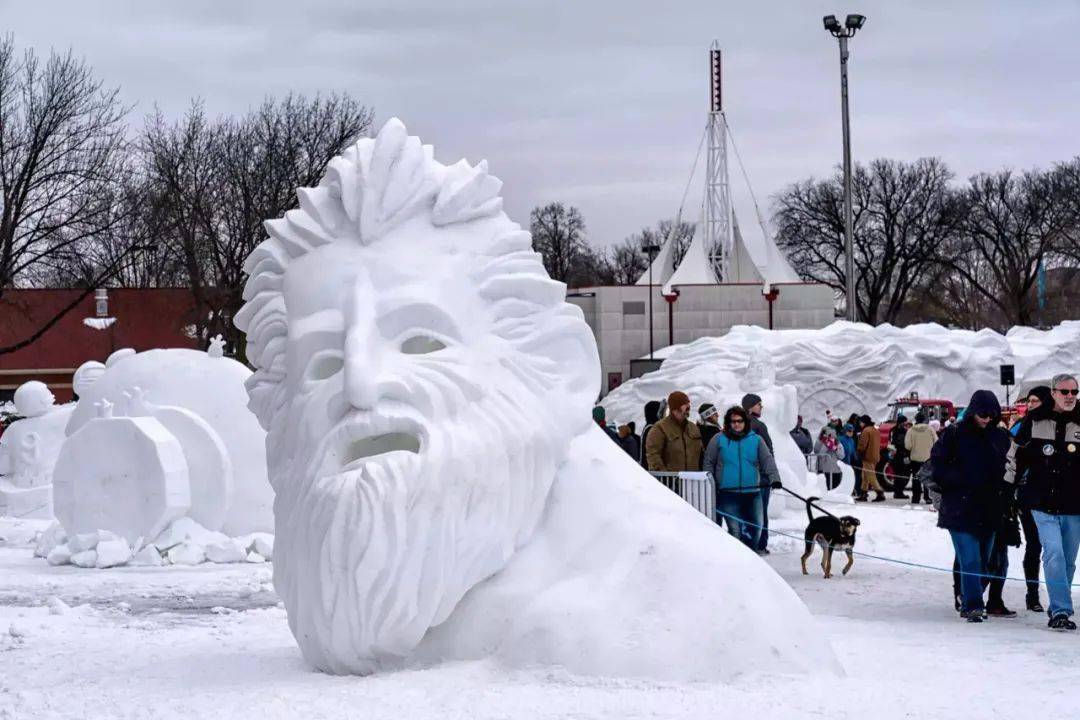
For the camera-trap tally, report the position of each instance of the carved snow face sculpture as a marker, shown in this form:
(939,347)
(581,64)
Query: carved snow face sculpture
(420,378)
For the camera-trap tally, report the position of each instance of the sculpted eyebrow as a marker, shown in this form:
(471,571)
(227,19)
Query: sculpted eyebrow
(418,315)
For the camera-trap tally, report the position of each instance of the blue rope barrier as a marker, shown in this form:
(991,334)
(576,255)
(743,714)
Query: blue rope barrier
(908,563)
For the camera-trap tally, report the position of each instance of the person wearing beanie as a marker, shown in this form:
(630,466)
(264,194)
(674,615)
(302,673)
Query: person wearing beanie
(599,416)
(674,443)
(1037,397)
(753,406)
(869,449)
(802,438)
(707,417)
(918,442)
(901,469)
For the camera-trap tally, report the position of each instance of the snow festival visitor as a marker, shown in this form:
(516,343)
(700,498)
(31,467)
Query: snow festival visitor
(828,453)
(741,464)
(869,449)
(752,404)
(674,443)
(918,442)
(969,470)
(1037,397)
(1044,460)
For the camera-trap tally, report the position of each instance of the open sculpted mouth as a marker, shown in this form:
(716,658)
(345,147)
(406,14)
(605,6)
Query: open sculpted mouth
(358,441)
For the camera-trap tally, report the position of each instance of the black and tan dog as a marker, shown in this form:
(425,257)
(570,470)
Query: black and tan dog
(831,533)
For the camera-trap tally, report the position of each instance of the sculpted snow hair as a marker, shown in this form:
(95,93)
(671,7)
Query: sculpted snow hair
(420,377)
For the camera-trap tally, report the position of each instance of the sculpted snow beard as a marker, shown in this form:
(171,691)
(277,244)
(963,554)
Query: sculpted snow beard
(368,559)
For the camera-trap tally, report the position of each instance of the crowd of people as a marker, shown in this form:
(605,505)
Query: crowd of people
(993,486)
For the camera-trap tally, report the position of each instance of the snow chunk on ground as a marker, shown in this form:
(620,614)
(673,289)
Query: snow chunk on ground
(187,553)
(111,553)
(59,555)
(187,530)
(149,556)
(226,551)
(84,559)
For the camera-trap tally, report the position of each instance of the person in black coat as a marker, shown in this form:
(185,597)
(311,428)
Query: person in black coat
(652,416)
(968,463)
(752,404)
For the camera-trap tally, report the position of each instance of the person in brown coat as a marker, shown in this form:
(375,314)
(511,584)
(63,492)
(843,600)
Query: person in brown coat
(674,443)
(869,449)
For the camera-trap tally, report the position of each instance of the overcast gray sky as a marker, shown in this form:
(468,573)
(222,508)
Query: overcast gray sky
(601,104)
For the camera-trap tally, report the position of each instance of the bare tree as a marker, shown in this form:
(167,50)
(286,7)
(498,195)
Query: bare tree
(627,261)
(903,213)
(1012,224)
(219,180)
(61,154)
(558,234)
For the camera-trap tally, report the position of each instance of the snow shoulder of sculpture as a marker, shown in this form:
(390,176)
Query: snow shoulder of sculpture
(440,492)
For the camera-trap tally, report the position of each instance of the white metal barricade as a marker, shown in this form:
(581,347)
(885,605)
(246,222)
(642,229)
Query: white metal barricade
(694,487)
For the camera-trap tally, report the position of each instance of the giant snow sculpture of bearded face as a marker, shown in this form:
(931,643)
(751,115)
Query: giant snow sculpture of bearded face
(420,378)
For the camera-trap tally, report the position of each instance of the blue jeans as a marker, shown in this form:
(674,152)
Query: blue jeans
(742,513)
(1060,538)
(973,553)
(763,539)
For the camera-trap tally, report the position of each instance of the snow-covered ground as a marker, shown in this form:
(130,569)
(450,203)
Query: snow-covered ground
(211,642)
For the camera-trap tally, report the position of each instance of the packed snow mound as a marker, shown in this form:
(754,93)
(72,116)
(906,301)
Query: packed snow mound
(183,542)
(853,367)
(199,399)
(401,327)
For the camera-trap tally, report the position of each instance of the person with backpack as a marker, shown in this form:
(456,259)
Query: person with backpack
(968,468)
(740,464)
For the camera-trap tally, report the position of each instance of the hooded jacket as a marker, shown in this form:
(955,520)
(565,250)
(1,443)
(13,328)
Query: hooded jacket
(829,452)
(848,443)
(969,469)
(739,461)
(919,441)
(1045,459)
(652,416)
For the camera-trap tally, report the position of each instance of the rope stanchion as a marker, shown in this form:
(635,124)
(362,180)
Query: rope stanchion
(895,561)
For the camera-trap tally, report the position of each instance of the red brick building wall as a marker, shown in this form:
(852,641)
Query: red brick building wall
(145,319)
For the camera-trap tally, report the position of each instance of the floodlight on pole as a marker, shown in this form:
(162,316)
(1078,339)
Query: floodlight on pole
(852,24)
(650,251)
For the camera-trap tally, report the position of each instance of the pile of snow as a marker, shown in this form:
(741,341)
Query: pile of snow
(853,367)
(183,542)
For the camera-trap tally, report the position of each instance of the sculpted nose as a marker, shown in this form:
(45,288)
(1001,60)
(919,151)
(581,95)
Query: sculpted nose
(362,347)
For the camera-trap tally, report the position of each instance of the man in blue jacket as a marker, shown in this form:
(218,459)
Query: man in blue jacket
(969,468)
(740,464)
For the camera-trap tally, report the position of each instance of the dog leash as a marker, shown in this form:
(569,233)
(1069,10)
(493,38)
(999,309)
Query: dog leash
(809,501)
(895,561)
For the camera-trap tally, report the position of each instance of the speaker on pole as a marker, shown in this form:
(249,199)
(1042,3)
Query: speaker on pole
(1008,375)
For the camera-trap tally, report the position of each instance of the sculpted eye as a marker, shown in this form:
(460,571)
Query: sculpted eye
(324,365)
(421,345)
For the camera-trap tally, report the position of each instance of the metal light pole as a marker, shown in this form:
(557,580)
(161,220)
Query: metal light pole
(852,24)
(650,252)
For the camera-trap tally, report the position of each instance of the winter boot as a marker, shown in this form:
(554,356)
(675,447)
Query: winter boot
(899,496)
(973,616)
(1000,611)
(880,497)
(861,497)
(1061,622)
(1033,604)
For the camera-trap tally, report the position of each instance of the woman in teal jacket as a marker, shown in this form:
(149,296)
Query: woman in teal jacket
(740,464)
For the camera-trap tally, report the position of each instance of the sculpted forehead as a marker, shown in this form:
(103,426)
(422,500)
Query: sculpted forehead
(323,280)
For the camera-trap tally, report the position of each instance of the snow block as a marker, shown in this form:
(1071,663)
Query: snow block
(111,553)
(226,551)
(186,530)
(85,559)
(49,539)
(209,468)
(254,557)
(126,475)
(59,555)
(82,542)
(148,556)
(187,553)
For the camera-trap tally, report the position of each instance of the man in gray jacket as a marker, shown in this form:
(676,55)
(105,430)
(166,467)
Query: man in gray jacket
(751,403)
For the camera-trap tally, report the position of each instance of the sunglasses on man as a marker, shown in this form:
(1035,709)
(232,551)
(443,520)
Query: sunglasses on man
(1067,391)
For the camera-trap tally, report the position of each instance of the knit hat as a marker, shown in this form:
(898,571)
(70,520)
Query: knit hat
(599,414)
(749,400)
(677,399)
(920,417)
(707,410)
